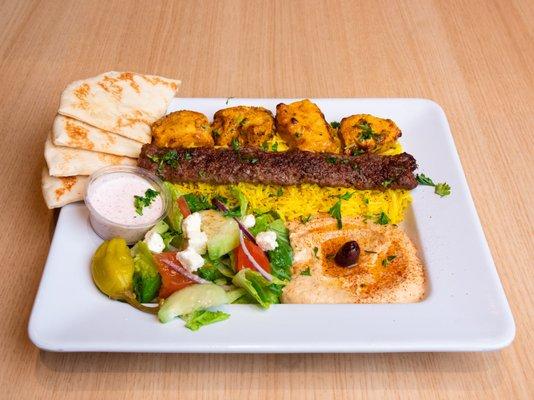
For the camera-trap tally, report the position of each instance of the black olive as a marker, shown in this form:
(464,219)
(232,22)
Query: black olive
(348,254)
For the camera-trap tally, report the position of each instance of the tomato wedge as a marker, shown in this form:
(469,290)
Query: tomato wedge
(242,261)
(184,208)
(171,281)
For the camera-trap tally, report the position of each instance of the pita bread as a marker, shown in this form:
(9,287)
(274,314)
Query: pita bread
(70,132)
(125,103)
(60,191)
(66,161)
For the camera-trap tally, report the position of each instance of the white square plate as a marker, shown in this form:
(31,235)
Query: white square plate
(466,309)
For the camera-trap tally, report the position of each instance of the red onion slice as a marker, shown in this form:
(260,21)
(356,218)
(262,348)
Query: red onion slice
(219,204)
(183,271)
(256,265)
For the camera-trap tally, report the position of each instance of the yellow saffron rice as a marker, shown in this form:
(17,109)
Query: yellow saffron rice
(293,202)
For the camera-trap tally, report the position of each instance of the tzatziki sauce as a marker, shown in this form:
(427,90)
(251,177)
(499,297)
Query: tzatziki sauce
(111,196)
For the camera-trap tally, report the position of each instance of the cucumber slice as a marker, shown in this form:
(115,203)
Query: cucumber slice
(222,233)
(192,298)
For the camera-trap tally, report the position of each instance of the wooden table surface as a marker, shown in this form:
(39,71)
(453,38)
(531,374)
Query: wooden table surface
(475,58)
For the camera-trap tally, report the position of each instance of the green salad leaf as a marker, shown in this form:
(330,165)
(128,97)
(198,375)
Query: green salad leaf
(197,202)
(262,223)
(243,202)
(198,319)
(146,279)
(258,288)
(281,258)
(209,272)
(216,271)
(174,216)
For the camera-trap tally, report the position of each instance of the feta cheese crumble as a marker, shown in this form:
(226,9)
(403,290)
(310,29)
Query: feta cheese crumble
(248,221)
(190,259)
(191,224)
(267,240)
(198,242)
(154,241)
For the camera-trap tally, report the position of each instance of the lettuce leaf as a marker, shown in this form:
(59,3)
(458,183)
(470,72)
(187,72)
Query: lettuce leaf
(174,216)
(243,202)
(197,202)
(146,279)
(200,318)
(281,258)
(262,223)
(260,289)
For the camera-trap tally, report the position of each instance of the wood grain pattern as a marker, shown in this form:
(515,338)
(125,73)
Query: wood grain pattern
(475,58)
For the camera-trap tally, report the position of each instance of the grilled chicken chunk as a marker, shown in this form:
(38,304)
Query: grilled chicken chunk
(366,133)
(303,126)
(182,129)
(248,126)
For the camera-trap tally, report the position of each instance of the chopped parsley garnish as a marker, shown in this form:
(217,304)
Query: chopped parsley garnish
(306,272)
(422,179)
(265,146)
(383,219)
(335,210)
(331,159)
(366,131)
(387,183)
(386,261)
(141,202)
(335,124)
(274,147)
(215,133)
(279,192)
(357,152)
(235,144)
(228,99)
(305,219)
(346,196)
(243,122)
(169,158)
(249,159)
(188,156)
(441,189)
(315,250)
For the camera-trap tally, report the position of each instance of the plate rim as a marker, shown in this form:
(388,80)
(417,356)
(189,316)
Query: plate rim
(503,339)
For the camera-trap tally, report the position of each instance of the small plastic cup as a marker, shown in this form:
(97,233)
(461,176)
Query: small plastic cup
(106,228)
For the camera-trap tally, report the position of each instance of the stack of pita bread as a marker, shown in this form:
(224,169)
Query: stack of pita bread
(101,121)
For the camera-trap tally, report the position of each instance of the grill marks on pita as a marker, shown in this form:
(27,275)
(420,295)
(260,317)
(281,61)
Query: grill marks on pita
(101,121)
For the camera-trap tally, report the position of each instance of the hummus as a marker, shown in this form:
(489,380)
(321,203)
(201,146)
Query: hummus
(387,271)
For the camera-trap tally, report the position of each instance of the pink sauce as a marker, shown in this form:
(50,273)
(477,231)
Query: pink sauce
(111,196)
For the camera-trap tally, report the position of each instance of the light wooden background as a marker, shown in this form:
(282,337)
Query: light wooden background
(475,58)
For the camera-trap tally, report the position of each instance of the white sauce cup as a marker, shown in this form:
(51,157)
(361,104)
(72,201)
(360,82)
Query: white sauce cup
(123,183)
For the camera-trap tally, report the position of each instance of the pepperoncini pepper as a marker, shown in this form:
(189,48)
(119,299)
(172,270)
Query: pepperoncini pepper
(112,268)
